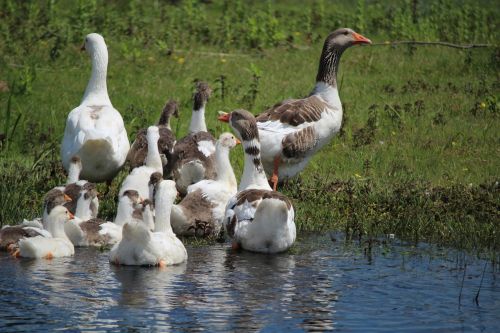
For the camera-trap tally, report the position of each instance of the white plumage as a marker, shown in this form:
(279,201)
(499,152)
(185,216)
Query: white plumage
(94,130)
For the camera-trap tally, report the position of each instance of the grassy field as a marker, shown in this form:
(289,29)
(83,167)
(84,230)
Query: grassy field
(418,152)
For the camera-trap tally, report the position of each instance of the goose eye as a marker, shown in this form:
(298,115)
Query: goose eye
(345,33)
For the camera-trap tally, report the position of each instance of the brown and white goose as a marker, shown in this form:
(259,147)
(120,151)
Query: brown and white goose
(194,155)
(257,218)
(201,211)
(139,149)
(293,130)
(10,235)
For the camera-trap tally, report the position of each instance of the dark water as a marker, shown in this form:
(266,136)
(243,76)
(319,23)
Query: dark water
(320,285)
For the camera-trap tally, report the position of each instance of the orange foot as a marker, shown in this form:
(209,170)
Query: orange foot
(11,248)
(162,263)
(274,177)
(235,246)
(16,253)
(49,256)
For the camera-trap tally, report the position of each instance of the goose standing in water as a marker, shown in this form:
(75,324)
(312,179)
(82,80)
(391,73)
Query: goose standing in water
(139,150)
(49,247)
(141,247)
(194,155)
(202,210)
(294,129)
(257,218)
(94,130)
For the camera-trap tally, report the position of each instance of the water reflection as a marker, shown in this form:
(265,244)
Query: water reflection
(320,286)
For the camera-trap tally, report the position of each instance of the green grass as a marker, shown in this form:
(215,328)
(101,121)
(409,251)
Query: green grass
(417,157)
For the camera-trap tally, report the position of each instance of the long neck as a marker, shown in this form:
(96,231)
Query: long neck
(153,159)
(329,66)
(253,171)
(73,173)
(198,120)
(125,210)
(82,210)
(223,165)
(97,90)
(163,209)
(56,229)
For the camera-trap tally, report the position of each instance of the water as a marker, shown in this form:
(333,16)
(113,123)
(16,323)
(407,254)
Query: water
(320,286)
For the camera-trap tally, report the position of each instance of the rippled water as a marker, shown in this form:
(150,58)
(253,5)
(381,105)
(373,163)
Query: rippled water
(320,285)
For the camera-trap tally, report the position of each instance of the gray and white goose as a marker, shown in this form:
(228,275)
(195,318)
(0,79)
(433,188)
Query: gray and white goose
(257,218)
(194,155)
(10,235)
(294,129)
(139,149)
(201,212)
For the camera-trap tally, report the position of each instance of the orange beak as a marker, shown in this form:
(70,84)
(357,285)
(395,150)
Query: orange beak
(82,48)
(67,198)
(238,142)
(359,39)
(223,116)
(71,216)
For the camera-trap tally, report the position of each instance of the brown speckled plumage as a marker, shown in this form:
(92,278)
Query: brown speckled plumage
(10,236)
(186,150)
(295,112)
(198,213)
(91,229)
(201,96)
(298,144)
(252,195)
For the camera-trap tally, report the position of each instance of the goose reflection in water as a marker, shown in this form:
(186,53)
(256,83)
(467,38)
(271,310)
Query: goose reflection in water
(141,286)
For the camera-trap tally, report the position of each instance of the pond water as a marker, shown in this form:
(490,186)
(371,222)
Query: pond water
(320,285)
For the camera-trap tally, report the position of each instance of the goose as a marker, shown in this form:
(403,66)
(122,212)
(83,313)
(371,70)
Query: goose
(74,186)
(194,154)
(140,246)
(139,149)
(294,129)
(128,201)
(83,229)
(138,179)
(10,235)
(95,130)
(49,247)
(201,211)
(257,218)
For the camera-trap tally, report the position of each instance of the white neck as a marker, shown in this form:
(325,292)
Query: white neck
(198,121)
(125,210)
(96,92)
(328,93)
(153,159)
(82,210)
(56,229)
(253,173)
(163,209)
(73,173)
(147,217)
(225,173)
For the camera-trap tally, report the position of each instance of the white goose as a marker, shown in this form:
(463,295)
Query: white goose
(138,179)
(141,247)
(50,247)
(10,235)
(194,157)
(139,149)
(202,210)
(257,218)
(293,130)
(94,130)
(126,204)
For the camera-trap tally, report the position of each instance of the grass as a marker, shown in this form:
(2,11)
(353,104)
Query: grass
(418,152)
